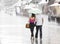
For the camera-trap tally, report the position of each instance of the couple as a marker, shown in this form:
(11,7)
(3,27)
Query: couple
(36,20)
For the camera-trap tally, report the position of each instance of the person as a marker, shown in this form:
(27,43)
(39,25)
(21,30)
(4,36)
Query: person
(39,22)
(32,25)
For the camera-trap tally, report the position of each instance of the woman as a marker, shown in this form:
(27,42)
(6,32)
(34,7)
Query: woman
(32,25)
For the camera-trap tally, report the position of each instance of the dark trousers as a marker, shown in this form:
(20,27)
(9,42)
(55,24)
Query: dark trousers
(37,29)
(32,29)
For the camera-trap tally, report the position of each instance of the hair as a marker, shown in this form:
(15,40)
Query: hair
(33,15)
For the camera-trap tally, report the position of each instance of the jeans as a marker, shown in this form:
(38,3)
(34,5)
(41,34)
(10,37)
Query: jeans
(32,29)
(37,29)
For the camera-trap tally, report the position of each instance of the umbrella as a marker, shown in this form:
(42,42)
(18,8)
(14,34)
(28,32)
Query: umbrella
(35,11)
(55,4)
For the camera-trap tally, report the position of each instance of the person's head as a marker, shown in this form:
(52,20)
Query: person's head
(33,15)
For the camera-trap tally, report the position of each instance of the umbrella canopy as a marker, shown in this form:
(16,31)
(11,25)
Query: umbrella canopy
(35,11)
(55,4)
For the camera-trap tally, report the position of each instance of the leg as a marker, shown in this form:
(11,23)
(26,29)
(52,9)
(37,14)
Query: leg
(32,29)
(36,35)
(40,32)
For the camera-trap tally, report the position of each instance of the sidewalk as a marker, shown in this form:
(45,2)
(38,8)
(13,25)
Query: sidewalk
(13,31)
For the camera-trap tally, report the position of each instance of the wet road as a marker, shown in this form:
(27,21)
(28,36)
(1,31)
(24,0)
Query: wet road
(13,31)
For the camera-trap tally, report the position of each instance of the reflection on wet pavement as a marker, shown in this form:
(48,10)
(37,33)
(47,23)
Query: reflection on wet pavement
(32,41)
(36,41)
(14,32)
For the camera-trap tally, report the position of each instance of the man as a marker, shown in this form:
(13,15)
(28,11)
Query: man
(39,22)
